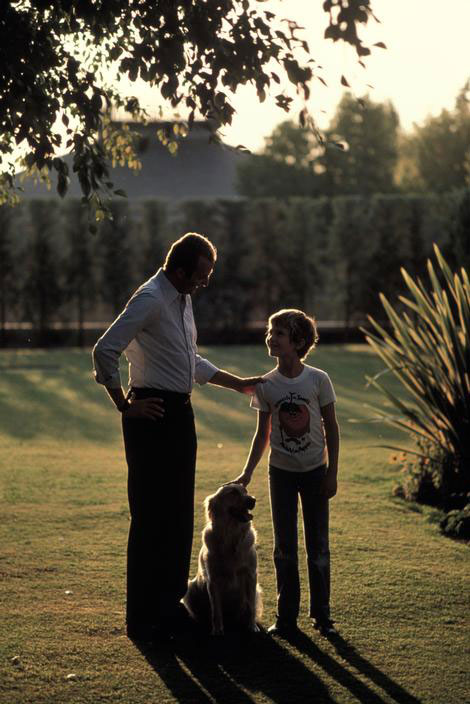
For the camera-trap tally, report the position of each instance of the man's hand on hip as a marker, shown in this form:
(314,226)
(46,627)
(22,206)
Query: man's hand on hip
(151,408)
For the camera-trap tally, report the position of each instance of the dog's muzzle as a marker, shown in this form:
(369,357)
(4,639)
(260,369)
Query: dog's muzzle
(250,502)
(244,515)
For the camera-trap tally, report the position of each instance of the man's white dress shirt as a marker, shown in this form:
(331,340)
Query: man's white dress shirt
(156,331)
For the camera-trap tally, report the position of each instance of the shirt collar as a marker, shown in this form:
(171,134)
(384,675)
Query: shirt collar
(170,293)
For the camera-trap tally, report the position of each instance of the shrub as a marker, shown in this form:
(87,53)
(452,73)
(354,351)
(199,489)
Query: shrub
(457,523)
(427,348)
(427,477)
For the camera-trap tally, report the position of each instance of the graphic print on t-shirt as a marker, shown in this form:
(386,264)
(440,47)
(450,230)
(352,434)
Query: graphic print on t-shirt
(294,422)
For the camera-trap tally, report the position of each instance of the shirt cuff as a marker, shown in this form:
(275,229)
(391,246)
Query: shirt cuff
(111,382)
(204,371)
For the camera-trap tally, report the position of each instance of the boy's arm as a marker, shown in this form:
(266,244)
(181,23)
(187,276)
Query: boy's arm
(258,445)
(332,443)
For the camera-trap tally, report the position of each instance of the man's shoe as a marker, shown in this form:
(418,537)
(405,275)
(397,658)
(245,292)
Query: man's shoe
(181,621)
(148,635)
(284,630)
(138,633)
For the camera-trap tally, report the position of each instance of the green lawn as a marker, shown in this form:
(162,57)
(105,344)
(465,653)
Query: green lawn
(400,589)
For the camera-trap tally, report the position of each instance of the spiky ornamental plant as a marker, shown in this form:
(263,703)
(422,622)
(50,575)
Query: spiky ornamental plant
(427,348)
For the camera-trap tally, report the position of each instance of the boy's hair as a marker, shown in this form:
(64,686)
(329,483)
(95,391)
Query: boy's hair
(300,326)
(185,253)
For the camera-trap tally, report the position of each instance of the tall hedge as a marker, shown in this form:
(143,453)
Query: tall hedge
(79,266)
(43,285)
(331,257)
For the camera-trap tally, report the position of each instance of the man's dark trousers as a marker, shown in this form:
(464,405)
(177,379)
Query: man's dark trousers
(161,457)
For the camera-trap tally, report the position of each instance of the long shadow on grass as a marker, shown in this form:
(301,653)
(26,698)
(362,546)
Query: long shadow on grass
(234,670)
(344,677)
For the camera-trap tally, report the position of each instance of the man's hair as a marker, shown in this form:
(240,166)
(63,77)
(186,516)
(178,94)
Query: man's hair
(301,328)
(186,251)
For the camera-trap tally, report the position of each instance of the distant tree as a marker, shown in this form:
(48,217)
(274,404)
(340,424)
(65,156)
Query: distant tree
(435,157)
(79,266)
(42,294)
(284,168)
(358,157)
(361,153)
(56,58)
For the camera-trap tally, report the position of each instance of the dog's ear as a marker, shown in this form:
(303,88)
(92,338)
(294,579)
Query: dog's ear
(211,506)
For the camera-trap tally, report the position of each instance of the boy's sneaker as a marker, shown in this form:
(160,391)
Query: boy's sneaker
(326,627)
(284,629)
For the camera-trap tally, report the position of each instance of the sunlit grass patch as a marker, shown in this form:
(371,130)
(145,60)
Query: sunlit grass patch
(399,588)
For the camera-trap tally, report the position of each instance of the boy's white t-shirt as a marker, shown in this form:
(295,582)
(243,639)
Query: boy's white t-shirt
(297,433)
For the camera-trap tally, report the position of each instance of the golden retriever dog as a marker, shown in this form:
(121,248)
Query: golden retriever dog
(225,593)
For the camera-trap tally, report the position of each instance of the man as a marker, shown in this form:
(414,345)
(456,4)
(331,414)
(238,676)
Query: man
(157,331)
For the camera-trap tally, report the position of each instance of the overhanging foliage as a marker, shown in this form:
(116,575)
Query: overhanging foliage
(56,57)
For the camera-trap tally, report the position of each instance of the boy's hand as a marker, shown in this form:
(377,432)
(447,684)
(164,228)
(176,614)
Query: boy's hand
(243,479)
(330,484)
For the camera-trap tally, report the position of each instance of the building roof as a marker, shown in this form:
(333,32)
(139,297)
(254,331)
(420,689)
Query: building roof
(200,169)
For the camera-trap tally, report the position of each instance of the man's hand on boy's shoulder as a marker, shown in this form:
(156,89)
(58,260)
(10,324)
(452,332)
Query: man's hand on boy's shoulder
(248,384)
(330,483)
(244,385)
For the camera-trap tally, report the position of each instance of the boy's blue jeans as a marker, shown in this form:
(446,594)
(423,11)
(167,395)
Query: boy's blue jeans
(285,488)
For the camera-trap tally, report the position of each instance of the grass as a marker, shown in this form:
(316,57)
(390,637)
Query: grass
(400,589)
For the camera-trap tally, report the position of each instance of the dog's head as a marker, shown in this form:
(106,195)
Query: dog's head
(230,502)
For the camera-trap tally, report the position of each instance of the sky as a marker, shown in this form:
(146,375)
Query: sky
(426,63)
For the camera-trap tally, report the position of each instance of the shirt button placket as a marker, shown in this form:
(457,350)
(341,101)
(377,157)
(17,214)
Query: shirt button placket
(186,337)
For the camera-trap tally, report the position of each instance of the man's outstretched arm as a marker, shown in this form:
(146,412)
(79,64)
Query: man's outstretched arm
(244,385)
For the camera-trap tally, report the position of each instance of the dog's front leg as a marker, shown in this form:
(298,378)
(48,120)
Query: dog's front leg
(216,609)
(251,601)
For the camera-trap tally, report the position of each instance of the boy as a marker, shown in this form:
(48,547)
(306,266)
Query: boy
(296,414)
